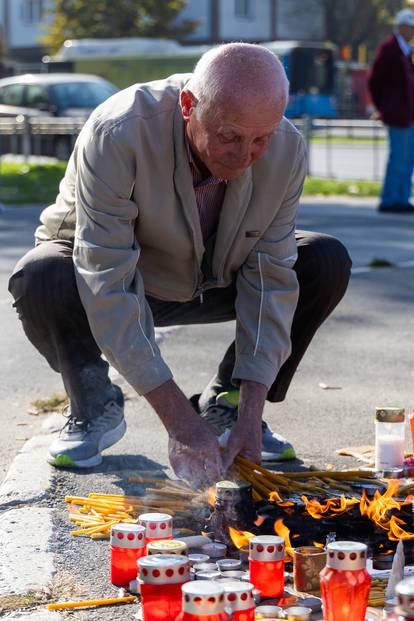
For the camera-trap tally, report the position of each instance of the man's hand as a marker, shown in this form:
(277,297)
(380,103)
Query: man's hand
(193,448)
(246,435)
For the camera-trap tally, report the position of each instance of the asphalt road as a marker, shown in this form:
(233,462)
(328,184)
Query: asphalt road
(385,297)
(25,376)
(363,352)
(348,160)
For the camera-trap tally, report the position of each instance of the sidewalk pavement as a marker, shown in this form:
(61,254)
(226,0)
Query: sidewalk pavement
(29,532)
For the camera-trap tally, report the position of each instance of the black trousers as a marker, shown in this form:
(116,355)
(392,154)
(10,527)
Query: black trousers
(46,298)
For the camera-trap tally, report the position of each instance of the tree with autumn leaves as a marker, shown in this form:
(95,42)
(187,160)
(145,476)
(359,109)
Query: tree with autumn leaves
(361,22)
(106,19)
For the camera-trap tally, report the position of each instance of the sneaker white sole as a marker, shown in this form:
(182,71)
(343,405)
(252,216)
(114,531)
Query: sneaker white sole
(108,439)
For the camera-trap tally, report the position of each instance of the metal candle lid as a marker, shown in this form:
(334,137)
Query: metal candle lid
(195,559)
(346,555)
(266,548)
(298,613)
(158,525)
(128,536)
(215,549)
(229,564)
(391,414)
(203,598)
(207,575)
(167,546)
(163,569)
(405,593)
(239,595)
(230,490)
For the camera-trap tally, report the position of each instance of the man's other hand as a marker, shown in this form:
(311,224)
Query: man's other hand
(193,448)
(246,435)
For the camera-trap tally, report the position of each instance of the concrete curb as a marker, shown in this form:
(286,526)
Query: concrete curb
(26,557)
(29,477)
(26,530)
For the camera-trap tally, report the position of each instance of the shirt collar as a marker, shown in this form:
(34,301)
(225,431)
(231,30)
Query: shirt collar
(405,47)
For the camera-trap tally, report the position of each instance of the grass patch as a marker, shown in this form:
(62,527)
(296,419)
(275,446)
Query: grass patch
(359,140)
(30,183)
(55,403)
(63,587)
(10,603)
(39,183)
(315,186)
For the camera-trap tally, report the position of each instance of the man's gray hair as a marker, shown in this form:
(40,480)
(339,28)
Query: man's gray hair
(233,72)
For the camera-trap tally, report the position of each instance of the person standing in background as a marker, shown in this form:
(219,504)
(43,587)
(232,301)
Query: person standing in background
(391,84)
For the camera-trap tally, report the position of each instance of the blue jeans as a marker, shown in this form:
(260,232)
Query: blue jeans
(397,182)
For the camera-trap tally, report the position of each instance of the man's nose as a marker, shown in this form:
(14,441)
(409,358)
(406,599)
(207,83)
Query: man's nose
(244,154)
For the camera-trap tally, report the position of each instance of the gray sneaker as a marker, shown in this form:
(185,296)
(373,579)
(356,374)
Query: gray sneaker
(222,415)
(80,442)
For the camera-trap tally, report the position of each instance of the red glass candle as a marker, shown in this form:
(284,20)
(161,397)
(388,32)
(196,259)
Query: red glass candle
(345,582)
(157,526)
(203,601)
(161,577)
(267,564)
(127,546)
(239,597)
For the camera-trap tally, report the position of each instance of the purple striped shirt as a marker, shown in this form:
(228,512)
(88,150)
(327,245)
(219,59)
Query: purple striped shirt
(209,193)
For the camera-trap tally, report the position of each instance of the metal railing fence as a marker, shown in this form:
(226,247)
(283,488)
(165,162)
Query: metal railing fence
(342,149)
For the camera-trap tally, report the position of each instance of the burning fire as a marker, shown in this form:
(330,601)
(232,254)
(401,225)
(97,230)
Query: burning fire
(282,530)
(378,510)
(240,538)
(211,495)
(331,506)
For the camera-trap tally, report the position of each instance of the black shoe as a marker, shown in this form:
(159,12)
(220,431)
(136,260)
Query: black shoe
(397,208)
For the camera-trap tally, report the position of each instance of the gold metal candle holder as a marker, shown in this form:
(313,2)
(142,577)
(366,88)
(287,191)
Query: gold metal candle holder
(308,562)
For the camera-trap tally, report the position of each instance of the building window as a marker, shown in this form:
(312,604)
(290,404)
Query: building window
(32,11)
(243,9)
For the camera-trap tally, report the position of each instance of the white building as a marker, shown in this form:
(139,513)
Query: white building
(22,22)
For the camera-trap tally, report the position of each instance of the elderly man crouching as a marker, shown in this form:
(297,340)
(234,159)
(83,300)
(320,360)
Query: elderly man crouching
(178,206)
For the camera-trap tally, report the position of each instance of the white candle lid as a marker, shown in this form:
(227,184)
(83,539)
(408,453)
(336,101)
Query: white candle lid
(163,569)
(158,525)
(203,597)
(346,555)
(266,548)
(239,595)
(125,535)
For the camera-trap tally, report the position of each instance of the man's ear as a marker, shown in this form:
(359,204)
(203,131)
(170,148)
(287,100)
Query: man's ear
(186,104)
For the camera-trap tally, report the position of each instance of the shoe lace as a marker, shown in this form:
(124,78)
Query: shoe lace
(73,424)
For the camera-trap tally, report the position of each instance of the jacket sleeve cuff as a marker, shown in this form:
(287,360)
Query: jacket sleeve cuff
(254,369)
(148,376)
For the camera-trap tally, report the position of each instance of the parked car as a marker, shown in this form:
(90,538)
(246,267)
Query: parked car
(53,95)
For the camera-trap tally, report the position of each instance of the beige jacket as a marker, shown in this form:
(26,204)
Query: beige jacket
(128,187)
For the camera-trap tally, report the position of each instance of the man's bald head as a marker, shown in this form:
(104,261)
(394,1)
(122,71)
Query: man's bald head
(239,75)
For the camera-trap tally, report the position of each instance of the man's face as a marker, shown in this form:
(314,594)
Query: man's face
(229,141)
(406,31)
